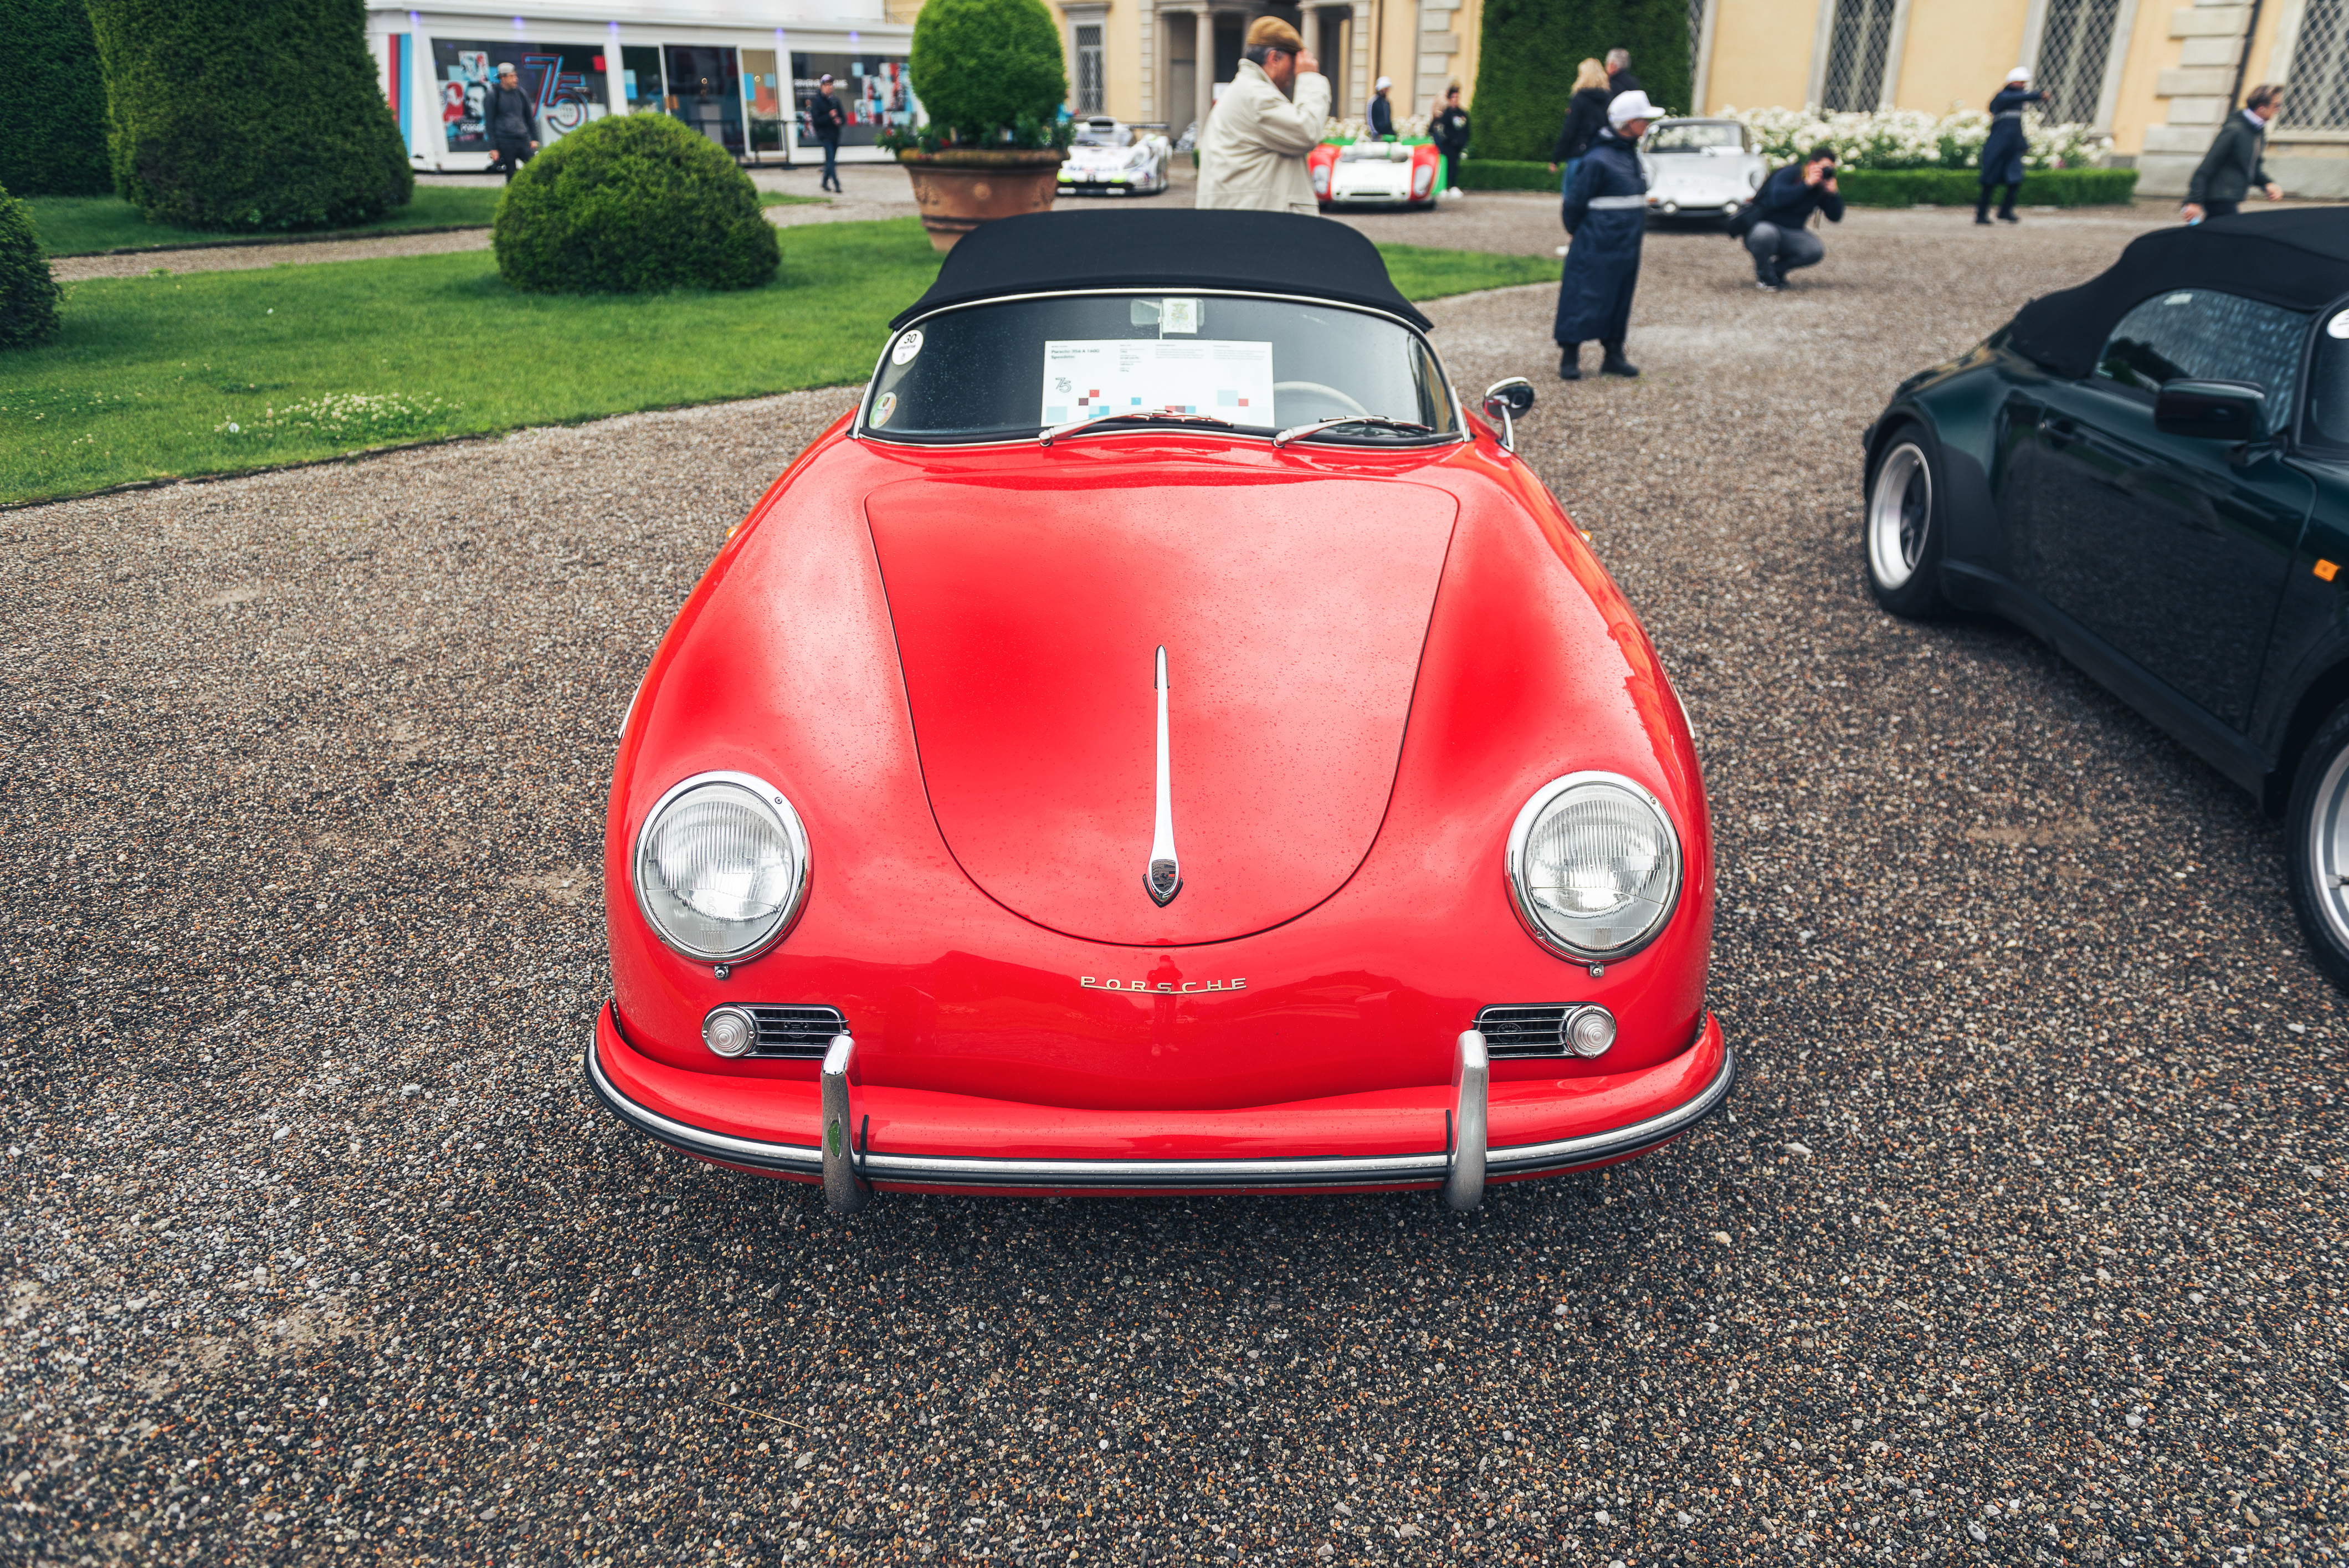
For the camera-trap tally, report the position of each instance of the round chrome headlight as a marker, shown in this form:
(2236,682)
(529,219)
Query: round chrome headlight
(1594,866)
(721,864)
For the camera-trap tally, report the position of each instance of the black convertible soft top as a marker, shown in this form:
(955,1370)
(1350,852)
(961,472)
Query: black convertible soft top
(1243,253)
(2299,259)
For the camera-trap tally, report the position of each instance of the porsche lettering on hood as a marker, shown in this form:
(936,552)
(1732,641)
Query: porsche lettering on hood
(1295,613)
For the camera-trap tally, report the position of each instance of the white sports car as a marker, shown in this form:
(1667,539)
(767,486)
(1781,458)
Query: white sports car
(1111,158)
(1700,168)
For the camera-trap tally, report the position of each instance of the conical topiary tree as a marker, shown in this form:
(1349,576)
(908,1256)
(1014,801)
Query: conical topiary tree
(1525,65)
(28,294)
(248,114)
(52,101)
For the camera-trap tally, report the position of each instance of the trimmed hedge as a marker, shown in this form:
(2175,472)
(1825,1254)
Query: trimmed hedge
(1525,64)
(1508,175)
(1959,187)
(52,101)
(248,115)
(633,203)
(28,294)
(985,67)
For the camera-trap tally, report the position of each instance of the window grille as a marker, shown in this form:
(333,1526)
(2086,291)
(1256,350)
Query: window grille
(1090,96)
(1696,42)
(2074,48)
(1856,49)
(2319,95)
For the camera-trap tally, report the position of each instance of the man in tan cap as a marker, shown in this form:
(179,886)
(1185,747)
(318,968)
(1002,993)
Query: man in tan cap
(1253,153)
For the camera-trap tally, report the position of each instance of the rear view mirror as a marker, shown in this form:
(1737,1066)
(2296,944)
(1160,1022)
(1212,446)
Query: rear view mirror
(1507,403)
(2211,410)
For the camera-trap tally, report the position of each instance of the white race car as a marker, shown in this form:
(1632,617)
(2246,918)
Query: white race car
(1376,173)
(1111,158)
(1700,168)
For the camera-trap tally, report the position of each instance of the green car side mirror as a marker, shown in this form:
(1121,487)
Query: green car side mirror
(2211,410)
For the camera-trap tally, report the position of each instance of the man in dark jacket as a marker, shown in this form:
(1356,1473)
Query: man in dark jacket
(1619,79)
(1780,240)
(1382,110)
(1449,131)
(2237,160)
(1606,216)
(506,118)
(825,117)
(2002,155)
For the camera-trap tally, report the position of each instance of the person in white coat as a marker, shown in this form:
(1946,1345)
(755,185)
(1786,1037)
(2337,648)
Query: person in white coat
(1252,155)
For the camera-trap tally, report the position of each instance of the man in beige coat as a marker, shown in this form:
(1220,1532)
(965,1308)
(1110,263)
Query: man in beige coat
(1253,153)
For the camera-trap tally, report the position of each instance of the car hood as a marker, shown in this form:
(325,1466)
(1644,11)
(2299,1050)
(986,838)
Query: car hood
(1027,620)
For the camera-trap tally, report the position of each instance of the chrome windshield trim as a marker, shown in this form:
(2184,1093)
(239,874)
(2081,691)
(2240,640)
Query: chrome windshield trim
(859,428)
(1429,1168)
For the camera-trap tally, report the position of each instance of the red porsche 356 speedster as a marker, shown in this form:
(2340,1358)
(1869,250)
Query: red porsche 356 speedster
(1159,740)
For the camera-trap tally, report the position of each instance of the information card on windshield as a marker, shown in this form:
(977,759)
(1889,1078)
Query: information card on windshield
(1085,378)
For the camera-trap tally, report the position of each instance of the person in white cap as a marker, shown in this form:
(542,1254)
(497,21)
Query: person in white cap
(2002,155)
(1381,110)
(1606,216)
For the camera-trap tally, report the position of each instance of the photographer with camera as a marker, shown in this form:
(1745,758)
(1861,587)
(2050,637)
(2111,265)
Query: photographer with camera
(1776,226)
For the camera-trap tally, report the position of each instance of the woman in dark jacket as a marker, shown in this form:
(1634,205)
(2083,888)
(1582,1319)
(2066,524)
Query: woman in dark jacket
(1607,214)
(2002,155)
(1586,117)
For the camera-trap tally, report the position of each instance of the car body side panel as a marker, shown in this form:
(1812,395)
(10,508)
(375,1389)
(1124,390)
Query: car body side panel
(2307,665)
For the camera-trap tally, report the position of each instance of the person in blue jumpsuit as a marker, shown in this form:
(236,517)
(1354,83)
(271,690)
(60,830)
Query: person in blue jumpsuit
(2002,155)
(1606,215)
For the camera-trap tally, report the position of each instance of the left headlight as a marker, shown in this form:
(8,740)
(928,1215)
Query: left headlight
(721,866)
(1594,866)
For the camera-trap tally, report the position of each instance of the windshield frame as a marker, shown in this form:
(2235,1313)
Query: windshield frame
(859,430)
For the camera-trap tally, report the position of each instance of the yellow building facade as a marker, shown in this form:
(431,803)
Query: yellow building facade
(2156,76)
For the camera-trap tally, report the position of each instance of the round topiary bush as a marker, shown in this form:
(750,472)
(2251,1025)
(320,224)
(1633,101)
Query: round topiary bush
(633,203)
(28,294)
(987,66)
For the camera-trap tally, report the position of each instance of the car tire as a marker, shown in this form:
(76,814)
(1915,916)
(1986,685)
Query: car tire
(2316,845)
(1904,522)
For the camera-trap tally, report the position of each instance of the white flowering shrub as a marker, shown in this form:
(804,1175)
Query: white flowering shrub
(1354,127)
(1911,139)
(360,417)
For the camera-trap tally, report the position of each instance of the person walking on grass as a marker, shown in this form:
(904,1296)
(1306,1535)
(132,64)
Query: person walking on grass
(2236,162)
(1779,238)
(825,117)
(1606,217)
(1252,153)
(506,114)
(2002,155)
(1586,117)
(1449,131)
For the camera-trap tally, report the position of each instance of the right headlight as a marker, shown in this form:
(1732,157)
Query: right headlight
(1594,866)
(721,866)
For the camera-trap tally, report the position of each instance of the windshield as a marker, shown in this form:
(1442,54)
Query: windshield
(1374,152)
(1097,133)
(1698,136)
(1018,368)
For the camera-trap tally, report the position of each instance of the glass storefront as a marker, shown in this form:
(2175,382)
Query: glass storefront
(565,81)
(705,91)
(641,79)
(875,90)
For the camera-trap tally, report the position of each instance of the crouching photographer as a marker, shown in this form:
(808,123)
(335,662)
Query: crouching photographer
(1776,226)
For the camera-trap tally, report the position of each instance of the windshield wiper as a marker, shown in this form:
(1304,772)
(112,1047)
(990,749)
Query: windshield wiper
(1294,432)
(1046,436)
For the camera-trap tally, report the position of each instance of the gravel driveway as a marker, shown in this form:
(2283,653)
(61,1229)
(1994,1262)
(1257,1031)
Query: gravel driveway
(2022,1244)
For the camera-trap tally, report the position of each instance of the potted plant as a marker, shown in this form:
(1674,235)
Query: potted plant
(990,77)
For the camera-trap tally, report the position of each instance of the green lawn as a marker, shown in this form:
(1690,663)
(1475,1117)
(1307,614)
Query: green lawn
(211,372)
(77,225)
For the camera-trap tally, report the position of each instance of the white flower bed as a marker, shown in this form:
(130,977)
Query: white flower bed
(1355,128)
(1911,139)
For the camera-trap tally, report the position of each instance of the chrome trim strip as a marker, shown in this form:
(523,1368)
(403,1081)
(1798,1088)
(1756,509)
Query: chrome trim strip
(1379,1171)
(1162,878)
(845,1187)
(1463,1183)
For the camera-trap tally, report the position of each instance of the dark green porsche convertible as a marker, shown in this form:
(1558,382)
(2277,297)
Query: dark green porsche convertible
(2151,472)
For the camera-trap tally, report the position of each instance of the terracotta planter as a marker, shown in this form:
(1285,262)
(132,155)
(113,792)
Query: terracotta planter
(960,190)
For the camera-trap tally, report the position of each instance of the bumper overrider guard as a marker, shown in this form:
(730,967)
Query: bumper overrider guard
(847,1166)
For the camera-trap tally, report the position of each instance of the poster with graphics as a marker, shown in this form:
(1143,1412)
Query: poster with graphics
(566,83)
(874,90)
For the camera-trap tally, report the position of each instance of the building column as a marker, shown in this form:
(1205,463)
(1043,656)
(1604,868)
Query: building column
(1206,69)
(1435,47)
(2200,89)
